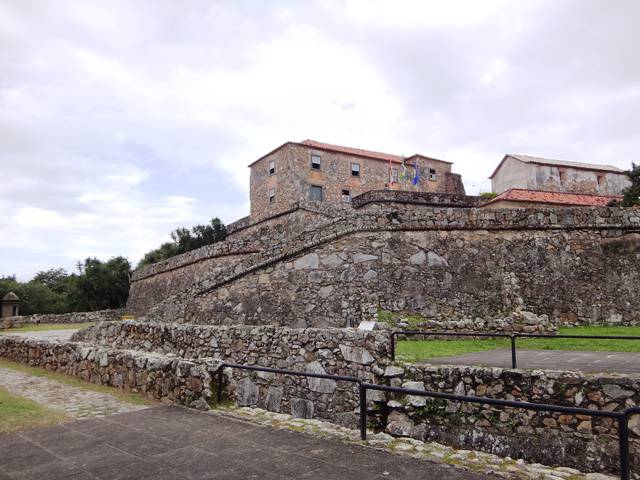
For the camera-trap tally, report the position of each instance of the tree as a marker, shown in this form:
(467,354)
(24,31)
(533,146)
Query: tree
(632,193)
(185,240)
(102,284)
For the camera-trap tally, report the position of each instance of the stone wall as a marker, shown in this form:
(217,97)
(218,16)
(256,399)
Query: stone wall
(156,377)
(541,437)
(442,263)
(549,438)
(417,198)
(345,352)
(73,317)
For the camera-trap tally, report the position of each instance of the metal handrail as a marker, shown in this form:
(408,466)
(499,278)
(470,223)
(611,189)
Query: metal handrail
(510,336)
(622,417)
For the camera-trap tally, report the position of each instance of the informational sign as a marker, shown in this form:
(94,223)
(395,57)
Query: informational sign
(366,325)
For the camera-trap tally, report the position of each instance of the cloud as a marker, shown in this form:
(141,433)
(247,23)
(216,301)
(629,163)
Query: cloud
(123,121)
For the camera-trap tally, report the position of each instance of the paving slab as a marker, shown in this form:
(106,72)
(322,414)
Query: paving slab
(588,362)
(169,442)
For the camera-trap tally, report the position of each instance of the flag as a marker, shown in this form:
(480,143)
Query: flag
(403,173)
(416,178)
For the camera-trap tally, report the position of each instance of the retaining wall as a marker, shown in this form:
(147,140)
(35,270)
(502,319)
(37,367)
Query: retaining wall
(576,265)
(73,317)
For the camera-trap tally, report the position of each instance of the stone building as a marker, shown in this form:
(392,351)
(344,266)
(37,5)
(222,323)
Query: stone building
(317,171)
(521,198)
(534,173)
(10,305)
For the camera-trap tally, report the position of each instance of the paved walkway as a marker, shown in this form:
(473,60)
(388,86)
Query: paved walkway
(177,443)
(75,402)
(50,335)
(589,362)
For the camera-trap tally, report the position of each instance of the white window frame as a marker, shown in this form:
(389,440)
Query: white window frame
(394,175)
(319,162)
(272,167)
(433,175)
(357,169)
(346,197)
(272,195)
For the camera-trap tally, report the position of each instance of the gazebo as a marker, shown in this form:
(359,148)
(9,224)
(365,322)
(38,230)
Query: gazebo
(10,305)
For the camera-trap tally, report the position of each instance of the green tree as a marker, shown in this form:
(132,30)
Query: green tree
(102,284)
(185,240)
(632,193)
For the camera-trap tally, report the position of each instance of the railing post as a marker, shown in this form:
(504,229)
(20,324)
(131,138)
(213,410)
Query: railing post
(514,362)
(623,439)
(220,383)
(393,346)
(363,411)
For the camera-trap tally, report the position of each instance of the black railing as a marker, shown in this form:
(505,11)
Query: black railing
(511,336)
(621,417)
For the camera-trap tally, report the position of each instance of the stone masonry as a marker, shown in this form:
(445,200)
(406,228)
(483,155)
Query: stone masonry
(554,439)
(286,175)
(448,264)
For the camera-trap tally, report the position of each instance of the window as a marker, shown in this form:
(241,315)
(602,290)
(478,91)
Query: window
(346,196)
(600,180)
(315,161)
(315,193)
(394,175)
(272,195)
(433,176)
(272,167)
(355,169)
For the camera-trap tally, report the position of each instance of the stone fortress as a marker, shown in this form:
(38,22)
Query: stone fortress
(308,262)
(370,239)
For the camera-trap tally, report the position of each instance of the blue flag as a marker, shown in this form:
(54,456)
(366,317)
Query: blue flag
(416,178)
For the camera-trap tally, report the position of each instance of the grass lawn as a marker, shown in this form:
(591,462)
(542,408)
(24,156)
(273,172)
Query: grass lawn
(47,326)
(415,350)
(17,413)
(76,382)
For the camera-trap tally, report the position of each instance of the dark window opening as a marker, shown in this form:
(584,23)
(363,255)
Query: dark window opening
(315,161)
(433,176)
(272,195)
(272,167)
(315,193)
(346,196)
(355,169)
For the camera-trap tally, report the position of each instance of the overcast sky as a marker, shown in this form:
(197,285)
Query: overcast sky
(120,121)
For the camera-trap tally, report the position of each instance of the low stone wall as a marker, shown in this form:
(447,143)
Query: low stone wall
(549,438)
(519,321)
(73,317)
(417,198)
(346,352)
(157,377)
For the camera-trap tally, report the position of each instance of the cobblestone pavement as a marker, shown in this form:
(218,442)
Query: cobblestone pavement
(75,402)
(164,443)
(588,362)
(50,335)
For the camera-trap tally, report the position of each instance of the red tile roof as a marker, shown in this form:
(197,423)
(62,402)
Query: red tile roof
(556,198)
(357,152)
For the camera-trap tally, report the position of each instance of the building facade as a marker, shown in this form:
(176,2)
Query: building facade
(322,172)
(535,173)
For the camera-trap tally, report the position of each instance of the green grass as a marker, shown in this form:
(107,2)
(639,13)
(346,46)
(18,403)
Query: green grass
(17,413)
(76,382)
(416,350)
(47,326)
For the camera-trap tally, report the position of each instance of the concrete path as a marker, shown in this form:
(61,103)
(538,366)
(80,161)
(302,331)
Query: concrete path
(50,335)
(177,443)
(75,402)
(588,362)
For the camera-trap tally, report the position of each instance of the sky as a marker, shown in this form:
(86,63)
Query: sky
(121,120)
